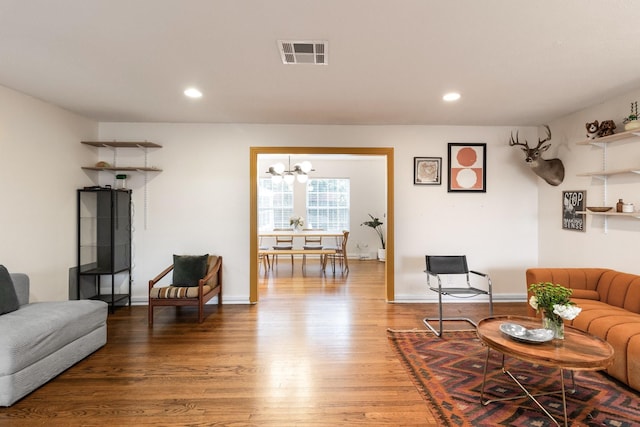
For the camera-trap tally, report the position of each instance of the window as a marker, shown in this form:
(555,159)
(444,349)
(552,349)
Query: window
(328,203)
(275,204)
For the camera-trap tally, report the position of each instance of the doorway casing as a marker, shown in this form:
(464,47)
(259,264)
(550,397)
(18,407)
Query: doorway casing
(253,205)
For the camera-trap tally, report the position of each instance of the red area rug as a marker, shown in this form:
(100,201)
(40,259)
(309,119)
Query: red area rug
(448,373)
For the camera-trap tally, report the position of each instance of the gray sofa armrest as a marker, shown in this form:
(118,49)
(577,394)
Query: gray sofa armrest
(21,284)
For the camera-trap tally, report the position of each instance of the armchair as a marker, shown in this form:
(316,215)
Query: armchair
(438,266)
(196,279)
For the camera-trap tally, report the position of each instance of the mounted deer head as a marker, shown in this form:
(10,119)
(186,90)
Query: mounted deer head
(551,170)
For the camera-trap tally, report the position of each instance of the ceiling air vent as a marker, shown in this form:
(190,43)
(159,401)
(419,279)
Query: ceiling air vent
(303,52)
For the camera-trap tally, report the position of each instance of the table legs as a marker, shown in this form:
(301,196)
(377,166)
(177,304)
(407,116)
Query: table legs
(527,393)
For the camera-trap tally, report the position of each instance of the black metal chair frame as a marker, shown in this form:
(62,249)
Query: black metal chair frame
(438,265)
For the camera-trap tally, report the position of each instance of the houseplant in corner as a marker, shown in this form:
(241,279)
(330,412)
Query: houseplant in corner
(553,301)
(376,224)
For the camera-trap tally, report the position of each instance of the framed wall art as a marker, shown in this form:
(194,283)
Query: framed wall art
(427,170)
(572,203)
(467,167)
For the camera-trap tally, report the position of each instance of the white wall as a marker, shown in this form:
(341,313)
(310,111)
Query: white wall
(200,202)
(40,158)
(596,247)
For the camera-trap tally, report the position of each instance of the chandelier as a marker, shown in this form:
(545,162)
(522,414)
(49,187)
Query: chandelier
(299,172)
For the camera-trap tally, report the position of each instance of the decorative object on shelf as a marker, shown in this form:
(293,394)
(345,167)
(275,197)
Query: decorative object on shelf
(103,165)
(631,121)
(376,224)
(121,181)
(606,128)
(599,208)
(467,167)
(300,172)
(619,205)
(553,301)
(296,222)
(427,170)
(592,129)
(552,170)
(627,207)
(572,203)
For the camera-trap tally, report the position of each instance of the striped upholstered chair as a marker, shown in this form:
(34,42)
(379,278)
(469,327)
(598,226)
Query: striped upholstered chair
(196,279)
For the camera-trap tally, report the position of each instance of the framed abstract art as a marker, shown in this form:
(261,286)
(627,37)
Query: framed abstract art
(427,170)
(467,167)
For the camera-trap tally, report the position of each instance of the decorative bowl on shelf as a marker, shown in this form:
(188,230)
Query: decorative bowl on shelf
(599,208)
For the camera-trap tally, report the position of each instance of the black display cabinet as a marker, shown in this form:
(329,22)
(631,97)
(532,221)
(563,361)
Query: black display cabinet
(104,243)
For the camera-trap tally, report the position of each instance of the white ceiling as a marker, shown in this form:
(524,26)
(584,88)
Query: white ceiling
(516,62)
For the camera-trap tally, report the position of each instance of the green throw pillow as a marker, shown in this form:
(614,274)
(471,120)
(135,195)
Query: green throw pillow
(188,269)
(8,297)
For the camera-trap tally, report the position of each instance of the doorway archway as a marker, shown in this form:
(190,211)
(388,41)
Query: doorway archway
(254,152)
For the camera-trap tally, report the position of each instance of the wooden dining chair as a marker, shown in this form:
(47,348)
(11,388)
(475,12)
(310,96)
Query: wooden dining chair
(312,242)
(283,242)
(341,253)
(263,259)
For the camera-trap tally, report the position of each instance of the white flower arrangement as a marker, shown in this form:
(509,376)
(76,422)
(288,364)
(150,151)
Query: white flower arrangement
(567,311)
(296,221)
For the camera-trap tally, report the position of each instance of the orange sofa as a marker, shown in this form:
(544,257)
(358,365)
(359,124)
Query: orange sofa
(610,302)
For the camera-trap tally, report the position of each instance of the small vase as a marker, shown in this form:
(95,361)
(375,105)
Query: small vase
(555,323)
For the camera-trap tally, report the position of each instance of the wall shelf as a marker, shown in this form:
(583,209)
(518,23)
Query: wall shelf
(613,213)
(115,146)
(123,144)
(605,173)
(122,169)
(611,138)
(610,172)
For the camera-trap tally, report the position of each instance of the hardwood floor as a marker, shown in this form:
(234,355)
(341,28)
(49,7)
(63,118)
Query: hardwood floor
(313,351)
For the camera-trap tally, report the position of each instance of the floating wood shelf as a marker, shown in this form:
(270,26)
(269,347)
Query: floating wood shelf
(610,138)
(122,144)
(123,169)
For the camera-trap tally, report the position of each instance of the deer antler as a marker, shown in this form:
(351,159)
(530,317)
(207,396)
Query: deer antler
(542,141)
(517,142)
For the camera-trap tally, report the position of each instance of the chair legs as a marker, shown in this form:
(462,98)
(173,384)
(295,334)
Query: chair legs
(441,319)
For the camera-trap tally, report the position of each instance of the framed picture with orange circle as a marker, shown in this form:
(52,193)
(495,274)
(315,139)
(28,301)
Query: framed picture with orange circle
(467,167)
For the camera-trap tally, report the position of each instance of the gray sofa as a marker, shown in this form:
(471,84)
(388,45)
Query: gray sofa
(38,341)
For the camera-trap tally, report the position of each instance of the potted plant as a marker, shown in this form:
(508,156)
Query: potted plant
(631,121)
(376,224)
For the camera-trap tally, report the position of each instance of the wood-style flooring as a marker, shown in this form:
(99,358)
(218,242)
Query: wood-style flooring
(312,352)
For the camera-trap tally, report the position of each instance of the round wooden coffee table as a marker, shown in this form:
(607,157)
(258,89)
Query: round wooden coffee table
(578,351)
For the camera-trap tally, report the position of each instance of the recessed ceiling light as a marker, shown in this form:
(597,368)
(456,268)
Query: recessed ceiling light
(192,92)
(451,96)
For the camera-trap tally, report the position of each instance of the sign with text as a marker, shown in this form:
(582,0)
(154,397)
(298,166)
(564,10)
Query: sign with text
(572,203)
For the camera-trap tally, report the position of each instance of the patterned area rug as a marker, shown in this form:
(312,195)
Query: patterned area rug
(448,373)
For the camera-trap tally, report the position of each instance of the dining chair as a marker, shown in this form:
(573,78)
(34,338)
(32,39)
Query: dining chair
(283,243)
(263,259)
(341,253)
(311,242)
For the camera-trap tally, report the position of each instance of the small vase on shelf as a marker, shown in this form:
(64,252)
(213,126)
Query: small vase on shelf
(555,323)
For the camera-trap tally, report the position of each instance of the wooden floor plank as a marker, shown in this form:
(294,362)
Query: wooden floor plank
(312,352)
